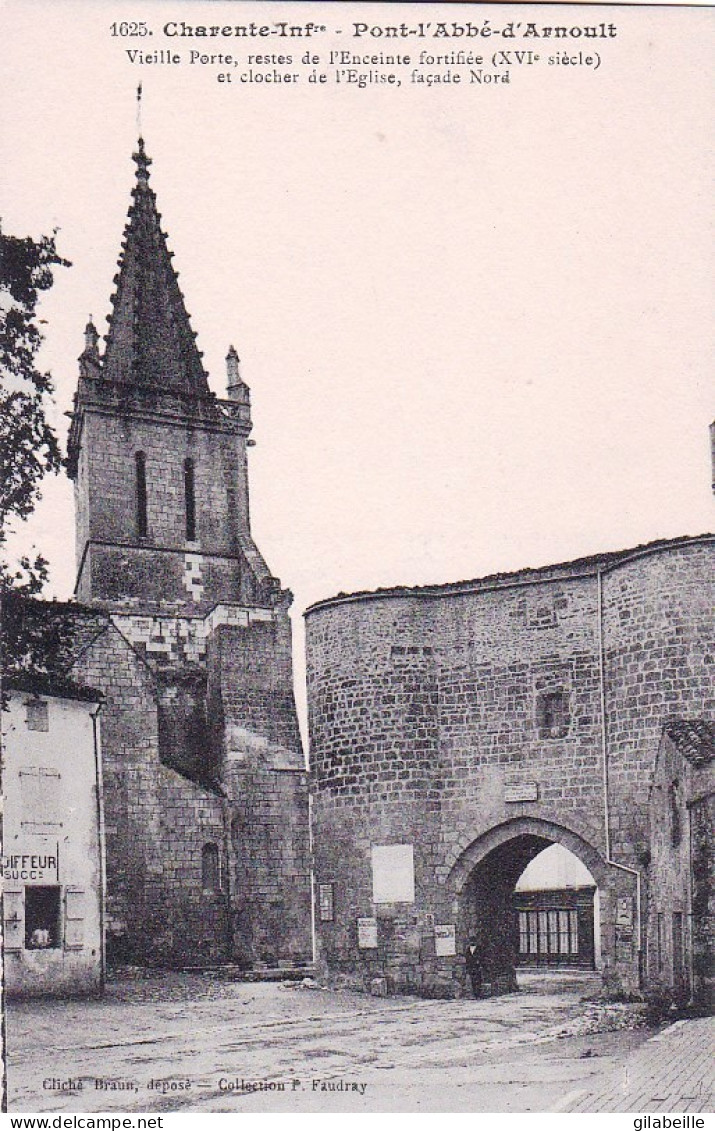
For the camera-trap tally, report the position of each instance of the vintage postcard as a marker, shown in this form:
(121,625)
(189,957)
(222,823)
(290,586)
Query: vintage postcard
(392,790)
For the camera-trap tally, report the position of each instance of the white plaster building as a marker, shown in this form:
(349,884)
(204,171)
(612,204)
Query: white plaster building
(53,865)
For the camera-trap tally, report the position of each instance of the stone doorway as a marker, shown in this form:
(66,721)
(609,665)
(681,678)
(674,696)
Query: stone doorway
(485,878)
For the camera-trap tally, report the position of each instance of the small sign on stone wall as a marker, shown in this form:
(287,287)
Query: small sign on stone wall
(521,791)
(445,942)
(367,934)
(326,902)
(624,912)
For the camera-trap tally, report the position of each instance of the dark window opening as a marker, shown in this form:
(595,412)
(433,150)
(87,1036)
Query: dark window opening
(661,941)
(551,714)
(190,499)
(210,868)
(676,828)
(42,918)
(142,523)
(37,715)
(677,946)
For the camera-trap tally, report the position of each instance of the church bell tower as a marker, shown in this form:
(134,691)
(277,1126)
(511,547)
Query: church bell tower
(205,784)
(158,461)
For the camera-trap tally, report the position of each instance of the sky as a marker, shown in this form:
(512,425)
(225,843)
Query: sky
(476,321)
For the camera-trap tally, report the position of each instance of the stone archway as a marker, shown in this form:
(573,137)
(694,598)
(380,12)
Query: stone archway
(483,878)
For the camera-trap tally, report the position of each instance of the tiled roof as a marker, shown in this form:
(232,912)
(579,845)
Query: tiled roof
(42,639)
(694,738)
(557,571)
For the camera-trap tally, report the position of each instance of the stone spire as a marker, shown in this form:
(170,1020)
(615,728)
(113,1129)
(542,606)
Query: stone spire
(236,387)
(89,361)
(150,341)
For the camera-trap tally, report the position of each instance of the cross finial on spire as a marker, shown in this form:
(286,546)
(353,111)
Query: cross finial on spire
(143,162)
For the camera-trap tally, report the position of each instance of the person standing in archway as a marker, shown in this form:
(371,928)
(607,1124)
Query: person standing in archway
(475,966)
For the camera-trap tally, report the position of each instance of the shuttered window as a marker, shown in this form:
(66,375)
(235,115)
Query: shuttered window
(548,932)
(74,918)
(14,920)
(40,798)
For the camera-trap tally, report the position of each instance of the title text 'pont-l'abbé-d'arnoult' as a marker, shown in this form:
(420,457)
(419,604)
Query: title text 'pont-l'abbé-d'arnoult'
(513,29)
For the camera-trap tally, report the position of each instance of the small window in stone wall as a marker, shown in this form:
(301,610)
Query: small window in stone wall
(210,868)
(541,615)
(141,496)
(552,714)
(38,717)
(190,500)
(676,824)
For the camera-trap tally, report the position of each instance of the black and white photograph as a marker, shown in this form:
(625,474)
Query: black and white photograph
(357,471)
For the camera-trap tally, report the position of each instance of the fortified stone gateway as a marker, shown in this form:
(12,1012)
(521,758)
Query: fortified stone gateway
(205,788)
(463,728)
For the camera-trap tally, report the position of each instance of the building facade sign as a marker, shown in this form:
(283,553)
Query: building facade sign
(445,940)
(32,865)
(326,902)
(367,934)
(521,791)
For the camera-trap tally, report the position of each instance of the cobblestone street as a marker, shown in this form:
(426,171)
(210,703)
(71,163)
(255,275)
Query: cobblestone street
(191,1042)
(673,1071)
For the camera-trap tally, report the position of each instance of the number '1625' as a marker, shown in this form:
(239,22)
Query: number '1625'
(129,29)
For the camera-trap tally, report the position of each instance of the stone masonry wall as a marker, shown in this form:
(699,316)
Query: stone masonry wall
(669,870)
(208,569)
(156,823)
(660,659)
(682,807)
(270,882)
(429,723)
(702,839)
(202,753)
(250,687)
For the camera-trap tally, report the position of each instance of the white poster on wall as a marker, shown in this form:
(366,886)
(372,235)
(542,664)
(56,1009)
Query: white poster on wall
(393,873)
(445,940)
(367,933)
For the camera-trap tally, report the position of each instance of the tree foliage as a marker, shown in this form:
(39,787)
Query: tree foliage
(28,444)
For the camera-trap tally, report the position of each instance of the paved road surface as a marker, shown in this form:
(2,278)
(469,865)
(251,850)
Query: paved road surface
(672,1072)
(198,1044)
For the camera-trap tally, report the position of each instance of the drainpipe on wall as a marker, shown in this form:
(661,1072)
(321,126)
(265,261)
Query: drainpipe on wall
(226,813)
(99,787)
(313,937)
(604,753)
